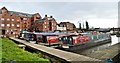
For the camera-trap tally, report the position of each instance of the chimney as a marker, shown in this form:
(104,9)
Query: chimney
(51,16)
(46,15)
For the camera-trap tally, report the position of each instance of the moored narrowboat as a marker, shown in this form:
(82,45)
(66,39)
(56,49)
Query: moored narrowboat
(46,38)
(84,40)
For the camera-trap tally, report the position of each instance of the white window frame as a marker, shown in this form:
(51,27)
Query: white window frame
(18,25)
(8,24)
(2,25)
(12,24)
(13,19)
(45,26)
(2,19)
(8,19)
(24,18)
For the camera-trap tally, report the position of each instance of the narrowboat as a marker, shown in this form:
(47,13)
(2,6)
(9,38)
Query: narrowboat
(22,34)
(73,42)
(46,38)
(29,37)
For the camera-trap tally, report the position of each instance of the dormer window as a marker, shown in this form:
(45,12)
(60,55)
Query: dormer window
(38,16)
(3,10)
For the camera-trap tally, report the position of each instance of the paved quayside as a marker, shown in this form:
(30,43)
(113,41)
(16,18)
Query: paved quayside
(68,56)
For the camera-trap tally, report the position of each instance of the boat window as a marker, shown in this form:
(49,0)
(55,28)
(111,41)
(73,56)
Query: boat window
(39,37)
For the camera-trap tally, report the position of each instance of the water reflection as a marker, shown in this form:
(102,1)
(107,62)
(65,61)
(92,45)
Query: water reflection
(115,39)
(93,49)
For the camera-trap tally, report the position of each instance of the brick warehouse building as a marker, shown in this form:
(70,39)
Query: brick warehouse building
(46,24)
(12,22)
(69,26)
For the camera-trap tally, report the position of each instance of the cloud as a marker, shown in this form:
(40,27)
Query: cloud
(93,12)
(59,0)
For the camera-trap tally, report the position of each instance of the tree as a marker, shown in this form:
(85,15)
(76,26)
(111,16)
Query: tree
(80,26)
(87,25)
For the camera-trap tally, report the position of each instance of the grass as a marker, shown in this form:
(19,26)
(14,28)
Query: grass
(0,50)
(10,52)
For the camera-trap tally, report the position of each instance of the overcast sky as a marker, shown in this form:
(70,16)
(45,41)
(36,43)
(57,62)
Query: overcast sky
(102,14)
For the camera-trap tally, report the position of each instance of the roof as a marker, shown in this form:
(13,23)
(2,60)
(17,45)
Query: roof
(49,18)
(38,21)
(18,13)
(21,14)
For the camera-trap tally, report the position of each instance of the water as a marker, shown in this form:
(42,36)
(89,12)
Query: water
(114,40)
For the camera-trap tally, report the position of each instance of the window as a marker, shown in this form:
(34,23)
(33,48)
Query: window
(2,19)
(24,18)
(18,20)
(12,24)
(7,30)
(2,25)
(52,27)
(18,25)
(45,27)
(8,24)
(45,22)
(38,16)
(8,19)
(12,19)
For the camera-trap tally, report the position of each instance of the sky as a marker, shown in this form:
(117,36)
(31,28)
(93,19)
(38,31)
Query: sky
(103,14)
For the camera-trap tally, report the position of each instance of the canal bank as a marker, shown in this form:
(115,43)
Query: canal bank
(64,55)
(104,52)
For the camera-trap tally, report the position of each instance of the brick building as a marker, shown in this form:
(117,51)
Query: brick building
(46,24)
(12,22)
(69,26)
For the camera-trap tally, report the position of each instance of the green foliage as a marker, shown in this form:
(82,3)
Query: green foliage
(10,52)
(80,26)
(87,25)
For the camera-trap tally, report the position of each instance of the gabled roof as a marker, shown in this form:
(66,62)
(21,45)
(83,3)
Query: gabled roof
(21,14)
(4,8)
